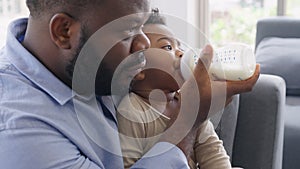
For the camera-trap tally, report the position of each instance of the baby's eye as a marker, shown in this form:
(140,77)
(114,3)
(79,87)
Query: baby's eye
(167,47)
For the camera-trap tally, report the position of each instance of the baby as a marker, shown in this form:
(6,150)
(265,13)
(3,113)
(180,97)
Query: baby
(140,116)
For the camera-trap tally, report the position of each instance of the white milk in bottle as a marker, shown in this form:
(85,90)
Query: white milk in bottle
(234,61)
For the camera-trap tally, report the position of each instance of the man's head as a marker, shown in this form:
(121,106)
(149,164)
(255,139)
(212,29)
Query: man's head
(41,8)
(58,29)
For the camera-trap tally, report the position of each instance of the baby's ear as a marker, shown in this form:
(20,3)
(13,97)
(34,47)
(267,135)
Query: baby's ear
(139,76)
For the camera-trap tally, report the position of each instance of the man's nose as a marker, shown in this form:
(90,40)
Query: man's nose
(140,42)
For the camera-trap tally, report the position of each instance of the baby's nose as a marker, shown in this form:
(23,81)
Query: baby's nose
(178,53)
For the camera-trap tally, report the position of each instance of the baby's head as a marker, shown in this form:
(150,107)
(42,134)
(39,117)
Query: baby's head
(162,69)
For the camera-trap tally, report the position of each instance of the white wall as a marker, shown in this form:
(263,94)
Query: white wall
(190,12)
(172,7)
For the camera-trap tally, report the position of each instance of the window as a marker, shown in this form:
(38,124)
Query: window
(235,20)
(10,9)
(293,8)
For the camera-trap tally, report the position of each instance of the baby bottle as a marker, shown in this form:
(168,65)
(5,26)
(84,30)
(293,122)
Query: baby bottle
(234,61)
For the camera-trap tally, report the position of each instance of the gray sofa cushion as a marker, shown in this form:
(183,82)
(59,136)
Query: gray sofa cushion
(291,149)
(281,56)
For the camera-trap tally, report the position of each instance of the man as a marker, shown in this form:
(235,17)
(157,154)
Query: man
(47,120)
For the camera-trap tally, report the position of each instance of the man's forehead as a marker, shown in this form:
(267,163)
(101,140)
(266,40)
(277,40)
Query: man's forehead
(122,8)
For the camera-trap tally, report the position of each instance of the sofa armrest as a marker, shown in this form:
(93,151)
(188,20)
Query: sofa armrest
(259,134)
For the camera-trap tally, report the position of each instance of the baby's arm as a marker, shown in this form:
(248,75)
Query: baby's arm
(209,149)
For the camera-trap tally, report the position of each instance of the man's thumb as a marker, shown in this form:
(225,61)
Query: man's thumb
(205,59)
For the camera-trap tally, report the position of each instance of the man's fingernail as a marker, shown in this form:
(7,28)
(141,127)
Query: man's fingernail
(207,49)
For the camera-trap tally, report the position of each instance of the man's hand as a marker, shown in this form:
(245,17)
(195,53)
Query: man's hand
(214,94)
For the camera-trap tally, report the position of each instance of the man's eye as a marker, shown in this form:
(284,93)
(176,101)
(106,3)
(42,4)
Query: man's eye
(167,47)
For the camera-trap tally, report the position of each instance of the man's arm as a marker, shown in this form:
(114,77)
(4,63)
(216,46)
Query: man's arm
(199,96)
(40,147)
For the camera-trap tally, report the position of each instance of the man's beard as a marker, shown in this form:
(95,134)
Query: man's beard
(82,40)
(104,85)
(104,76)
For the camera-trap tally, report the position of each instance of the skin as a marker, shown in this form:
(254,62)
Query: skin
(56,38)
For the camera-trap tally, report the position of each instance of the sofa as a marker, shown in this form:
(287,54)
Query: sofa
(252,125)
(278,52)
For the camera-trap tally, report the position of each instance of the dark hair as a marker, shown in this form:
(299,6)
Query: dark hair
(156,18)
(39,8)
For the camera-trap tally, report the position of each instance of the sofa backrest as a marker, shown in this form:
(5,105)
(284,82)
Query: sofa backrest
(278,50)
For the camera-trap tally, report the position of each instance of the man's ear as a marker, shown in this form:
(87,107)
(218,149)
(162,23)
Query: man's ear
(62,28)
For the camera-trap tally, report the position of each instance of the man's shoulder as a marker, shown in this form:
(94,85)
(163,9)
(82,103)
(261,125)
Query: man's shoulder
(18,94)
(24,104)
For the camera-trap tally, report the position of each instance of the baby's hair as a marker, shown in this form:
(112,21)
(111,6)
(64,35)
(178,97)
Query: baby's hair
(156,18)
